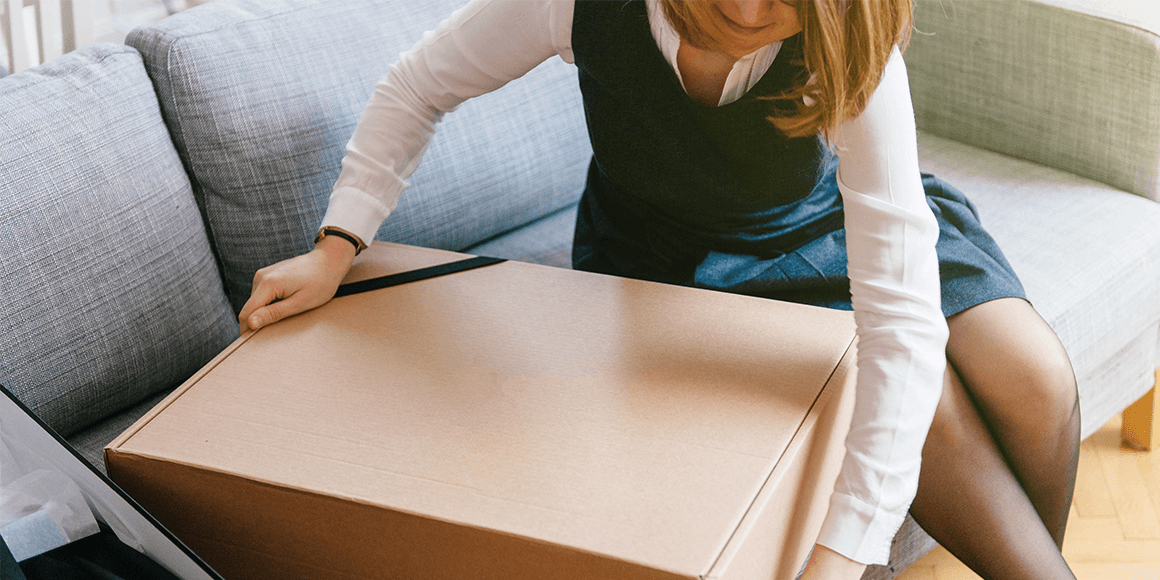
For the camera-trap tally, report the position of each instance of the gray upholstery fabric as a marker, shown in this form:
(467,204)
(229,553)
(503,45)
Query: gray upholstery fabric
(547,241)
(91,442)
(1069,90)
(261,97)
(109,291)
(909,546)
(1088,255)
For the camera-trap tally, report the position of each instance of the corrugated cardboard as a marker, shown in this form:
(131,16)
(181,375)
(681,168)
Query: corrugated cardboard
(515,421)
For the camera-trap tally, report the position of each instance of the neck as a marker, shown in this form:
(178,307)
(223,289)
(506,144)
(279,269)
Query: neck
(704,73)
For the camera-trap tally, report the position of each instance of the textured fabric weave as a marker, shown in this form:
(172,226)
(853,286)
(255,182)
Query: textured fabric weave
(909,546)
(262,97)
(90,443)
(109,291)
(1088,256)
(1069,90)
(547,241)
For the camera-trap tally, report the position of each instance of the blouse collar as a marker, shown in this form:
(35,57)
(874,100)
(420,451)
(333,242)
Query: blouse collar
(746,71)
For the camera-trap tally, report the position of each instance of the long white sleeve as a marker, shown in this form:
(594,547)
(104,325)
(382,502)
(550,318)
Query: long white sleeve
(478,49)
(902,334)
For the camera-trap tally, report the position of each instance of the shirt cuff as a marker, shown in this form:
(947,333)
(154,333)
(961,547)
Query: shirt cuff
(859,531)
(356,212)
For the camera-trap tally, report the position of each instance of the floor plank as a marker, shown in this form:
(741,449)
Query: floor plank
(1105,571)
(1116,490)
(939,557)
(1112,551)
(1138,519)
(917,572)
(1149,466)
(1081,529)
(957,573)
(1092,497)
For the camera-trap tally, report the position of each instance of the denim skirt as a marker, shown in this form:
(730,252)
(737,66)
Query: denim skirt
(795,252)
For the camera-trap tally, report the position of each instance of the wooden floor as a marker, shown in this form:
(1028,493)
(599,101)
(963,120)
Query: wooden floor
(1113,532)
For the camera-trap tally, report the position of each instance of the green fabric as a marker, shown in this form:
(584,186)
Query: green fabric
(1036,80)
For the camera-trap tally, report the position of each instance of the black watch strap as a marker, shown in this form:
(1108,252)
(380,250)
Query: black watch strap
(358,244)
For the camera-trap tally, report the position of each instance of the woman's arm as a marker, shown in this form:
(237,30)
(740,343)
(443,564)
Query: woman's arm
(894,280)
(478,49)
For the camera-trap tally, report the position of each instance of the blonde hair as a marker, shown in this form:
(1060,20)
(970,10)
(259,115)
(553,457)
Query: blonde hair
(845,47)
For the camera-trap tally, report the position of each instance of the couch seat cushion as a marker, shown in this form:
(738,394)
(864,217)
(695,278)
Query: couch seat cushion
(546,241)
(109,290)
(1088,255)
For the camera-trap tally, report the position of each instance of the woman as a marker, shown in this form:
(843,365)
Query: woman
(769,148)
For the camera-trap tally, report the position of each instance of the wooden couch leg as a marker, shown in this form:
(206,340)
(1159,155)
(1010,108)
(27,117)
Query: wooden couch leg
(1139,431)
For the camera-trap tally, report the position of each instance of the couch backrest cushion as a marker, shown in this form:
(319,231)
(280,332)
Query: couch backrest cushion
(109,290)
(1071,84)
(262,96)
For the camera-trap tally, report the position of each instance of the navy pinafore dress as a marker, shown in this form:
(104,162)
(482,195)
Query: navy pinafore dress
(717,197)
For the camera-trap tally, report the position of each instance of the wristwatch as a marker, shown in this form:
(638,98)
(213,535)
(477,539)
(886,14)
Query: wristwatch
(338,232)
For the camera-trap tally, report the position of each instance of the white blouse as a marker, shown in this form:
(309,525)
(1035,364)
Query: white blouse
(890,230)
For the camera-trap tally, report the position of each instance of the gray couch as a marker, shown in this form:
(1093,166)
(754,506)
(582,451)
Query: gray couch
(141,186)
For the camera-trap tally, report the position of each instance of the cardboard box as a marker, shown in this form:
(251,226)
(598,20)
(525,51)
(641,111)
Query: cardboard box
(513,421)
(30,447)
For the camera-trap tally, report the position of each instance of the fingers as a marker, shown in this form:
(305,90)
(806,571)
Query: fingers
(288,288)
(295,285)
(262,294)
(274,297)
(274,312)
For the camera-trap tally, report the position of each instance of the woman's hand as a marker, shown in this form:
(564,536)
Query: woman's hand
(298,284)
(826,564)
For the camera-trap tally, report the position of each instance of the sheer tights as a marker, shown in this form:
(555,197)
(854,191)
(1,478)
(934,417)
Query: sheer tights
(999,463)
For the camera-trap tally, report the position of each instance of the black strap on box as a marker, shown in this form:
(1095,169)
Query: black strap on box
(415,275)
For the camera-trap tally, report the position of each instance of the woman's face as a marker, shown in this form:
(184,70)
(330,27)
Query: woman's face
(753,24)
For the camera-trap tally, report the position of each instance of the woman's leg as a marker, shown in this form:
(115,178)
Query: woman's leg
(1021,381)
(1000,459)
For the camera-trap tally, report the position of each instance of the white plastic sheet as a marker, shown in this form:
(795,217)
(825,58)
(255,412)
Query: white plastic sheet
(34,448)
(40,507)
